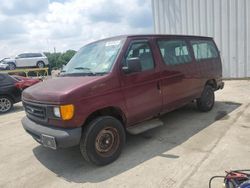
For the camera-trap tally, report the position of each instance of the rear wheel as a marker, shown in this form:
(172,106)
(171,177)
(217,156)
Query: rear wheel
(6,104)
(40,64)
(102,140)
(206,102)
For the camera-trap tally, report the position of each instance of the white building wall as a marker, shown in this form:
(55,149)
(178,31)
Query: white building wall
(228,21)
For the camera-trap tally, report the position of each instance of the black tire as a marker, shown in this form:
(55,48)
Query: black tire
(206,102)
(6,104)
(12,66)
(103,133)
(40,64)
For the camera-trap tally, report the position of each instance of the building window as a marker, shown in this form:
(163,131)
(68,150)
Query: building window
(174,52)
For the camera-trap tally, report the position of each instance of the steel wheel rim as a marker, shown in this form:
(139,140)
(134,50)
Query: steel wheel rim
(5,104)
(107,141)
(209,96)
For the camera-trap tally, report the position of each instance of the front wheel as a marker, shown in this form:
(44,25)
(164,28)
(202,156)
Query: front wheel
(206,102)
(12,66)
(6,104)
(102,140)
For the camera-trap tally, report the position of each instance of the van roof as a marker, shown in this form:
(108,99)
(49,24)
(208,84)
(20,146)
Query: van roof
(151,36)
(159,35)
(167,35)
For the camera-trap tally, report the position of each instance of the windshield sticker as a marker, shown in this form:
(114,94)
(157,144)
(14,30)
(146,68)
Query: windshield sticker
(113,43)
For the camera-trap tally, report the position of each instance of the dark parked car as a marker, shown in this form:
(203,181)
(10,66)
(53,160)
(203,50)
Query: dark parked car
(121,84)
(11,88)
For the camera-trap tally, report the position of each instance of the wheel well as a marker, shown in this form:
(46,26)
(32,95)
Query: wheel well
(40,62)
(11,63)
(108,111)
(212,83)
(9,96)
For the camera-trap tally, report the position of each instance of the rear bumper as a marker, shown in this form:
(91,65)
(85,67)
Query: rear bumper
(64,137)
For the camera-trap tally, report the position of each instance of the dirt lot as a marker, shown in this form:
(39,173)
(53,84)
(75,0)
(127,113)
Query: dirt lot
(186,152)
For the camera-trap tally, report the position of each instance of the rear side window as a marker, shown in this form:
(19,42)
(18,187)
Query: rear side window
(36,55)
(174,52)
(6,79)
(142,51)
(204,49)
(31,55)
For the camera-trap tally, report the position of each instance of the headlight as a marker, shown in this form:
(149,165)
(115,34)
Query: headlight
(65,112)
(56,111)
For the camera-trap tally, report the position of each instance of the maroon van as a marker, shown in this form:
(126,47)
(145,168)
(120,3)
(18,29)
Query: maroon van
(118,85)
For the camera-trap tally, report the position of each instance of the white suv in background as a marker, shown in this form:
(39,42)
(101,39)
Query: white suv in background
(28,60)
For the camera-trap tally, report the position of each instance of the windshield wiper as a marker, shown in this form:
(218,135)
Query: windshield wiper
(83,74)
(82,68)
(87,73)
(85,68)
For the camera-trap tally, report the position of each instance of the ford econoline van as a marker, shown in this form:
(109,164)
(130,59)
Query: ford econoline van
(118,85)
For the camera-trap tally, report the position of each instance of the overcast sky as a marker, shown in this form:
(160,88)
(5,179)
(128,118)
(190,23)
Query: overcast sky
(41,25)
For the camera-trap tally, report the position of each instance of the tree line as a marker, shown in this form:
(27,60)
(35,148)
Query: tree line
(58,59)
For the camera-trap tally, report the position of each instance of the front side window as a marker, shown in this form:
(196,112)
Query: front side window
(174,52)
(141,51)
(22,56)
(204,49)
(94,58)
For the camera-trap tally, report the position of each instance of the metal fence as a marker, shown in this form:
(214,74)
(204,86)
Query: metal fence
(43,72)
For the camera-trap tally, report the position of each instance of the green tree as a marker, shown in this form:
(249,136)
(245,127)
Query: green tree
(57,60)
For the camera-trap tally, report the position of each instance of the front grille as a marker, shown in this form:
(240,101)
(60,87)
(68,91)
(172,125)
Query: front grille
(35,110)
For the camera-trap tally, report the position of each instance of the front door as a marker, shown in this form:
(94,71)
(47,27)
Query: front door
(141,89)
(22,60)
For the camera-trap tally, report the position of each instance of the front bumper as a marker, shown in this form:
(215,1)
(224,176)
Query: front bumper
(64,138)
(4,66)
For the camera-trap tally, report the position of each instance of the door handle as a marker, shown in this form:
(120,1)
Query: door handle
(158,86)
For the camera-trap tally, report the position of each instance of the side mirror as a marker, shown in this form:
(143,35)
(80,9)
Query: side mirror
(132,65)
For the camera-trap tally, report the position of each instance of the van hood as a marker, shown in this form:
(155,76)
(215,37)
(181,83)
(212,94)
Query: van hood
(60,90)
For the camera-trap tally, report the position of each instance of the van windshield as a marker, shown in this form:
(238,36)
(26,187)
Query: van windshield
(93,59)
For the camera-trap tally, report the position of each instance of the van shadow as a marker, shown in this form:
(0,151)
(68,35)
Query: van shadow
(179,126)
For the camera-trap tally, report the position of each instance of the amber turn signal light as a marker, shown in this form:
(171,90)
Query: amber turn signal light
(67,111)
